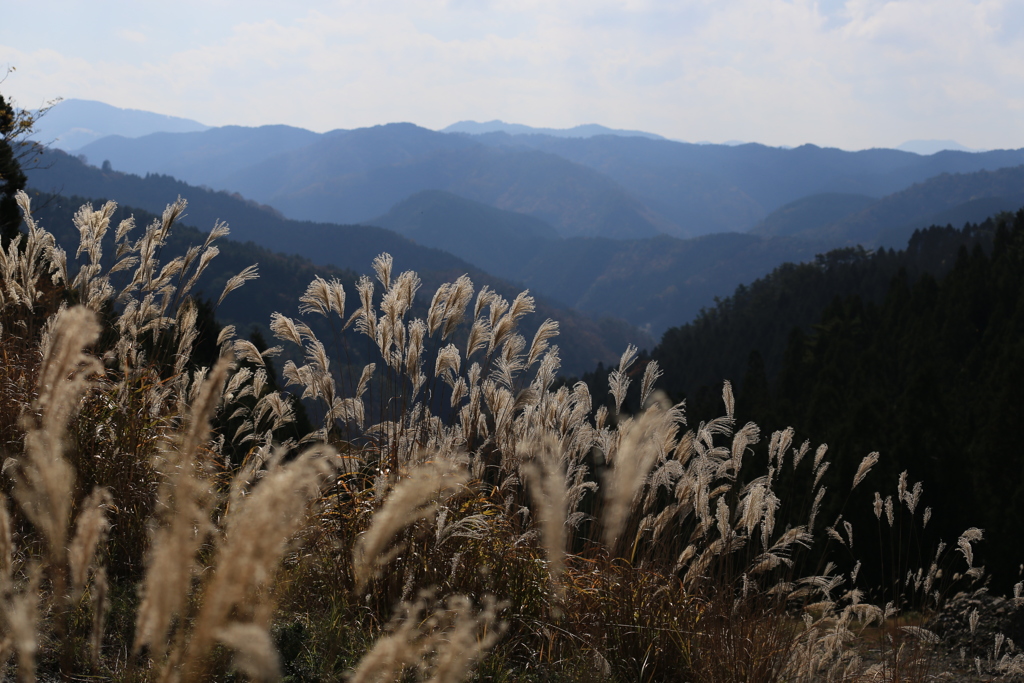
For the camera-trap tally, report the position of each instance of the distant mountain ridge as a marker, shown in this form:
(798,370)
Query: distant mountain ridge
(948,198)
(205,157)
(653,282)
(933,146)
(610,184)
(586,130)
(71,124)
(353,176)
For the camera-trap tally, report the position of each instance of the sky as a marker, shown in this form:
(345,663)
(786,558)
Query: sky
(851,74)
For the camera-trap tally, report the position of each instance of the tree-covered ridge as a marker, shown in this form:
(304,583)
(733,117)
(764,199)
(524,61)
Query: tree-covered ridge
(917,354)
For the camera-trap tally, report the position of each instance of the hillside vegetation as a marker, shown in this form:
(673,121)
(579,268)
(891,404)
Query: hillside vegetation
(914,354)
(453,512)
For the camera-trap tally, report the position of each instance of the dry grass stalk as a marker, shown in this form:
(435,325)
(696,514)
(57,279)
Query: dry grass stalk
(100,607)
(641,445)
(6,544)
(257,532)
(90,529)
(443,645)
(255,653)
(184,504)
(545,474)
(431,482)
(22,617)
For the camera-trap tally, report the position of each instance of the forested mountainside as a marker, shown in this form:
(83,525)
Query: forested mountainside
(917,354)
(284,277)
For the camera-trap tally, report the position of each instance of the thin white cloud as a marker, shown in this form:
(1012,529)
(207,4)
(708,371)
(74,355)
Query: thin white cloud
(855,74)
(132,36)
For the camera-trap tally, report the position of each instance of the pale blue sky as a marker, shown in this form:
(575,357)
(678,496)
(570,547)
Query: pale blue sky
(850,74)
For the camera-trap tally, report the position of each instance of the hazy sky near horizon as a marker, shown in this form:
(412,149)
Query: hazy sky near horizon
(842,73)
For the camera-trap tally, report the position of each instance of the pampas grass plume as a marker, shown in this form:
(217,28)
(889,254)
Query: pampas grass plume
(433,480)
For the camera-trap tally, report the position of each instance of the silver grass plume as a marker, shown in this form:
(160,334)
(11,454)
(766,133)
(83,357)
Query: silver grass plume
(44,479)
(382,266)
(255,653)
(6,544)
(182,524)
(90,529)
(257,532)
(545,474)
(27,259)
(651,374)
(618,379)
(323,297)
(408,502)
(636,455)
(866,464)
(443,644)
(233,283)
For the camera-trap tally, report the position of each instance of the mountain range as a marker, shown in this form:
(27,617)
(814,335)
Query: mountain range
(640,228)
(617,185)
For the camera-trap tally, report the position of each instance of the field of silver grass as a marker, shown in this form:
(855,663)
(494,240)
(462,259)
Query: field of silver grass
(456,513)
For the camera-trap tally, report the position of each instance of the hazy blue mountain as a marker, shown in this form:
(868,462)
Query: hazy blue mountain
(200,158)
(72,124)
(933,146)
(604,185)
(812,213)
(358,175)
(947,198)
(500,242)
(717,188)
(652,283)
(587,130)
(585,341)
(346,246)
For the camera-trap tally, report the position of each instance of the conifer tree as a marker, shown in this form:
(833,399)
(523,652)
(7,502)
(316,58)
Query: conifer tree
(12,179)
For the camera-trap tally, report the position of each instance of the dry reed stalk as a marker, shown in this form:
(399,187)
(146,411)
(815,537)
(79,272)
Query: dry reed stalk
(100,607)
(22,617)
(642,442)
(255,653)
(43,478)
(394,652)
(6,544)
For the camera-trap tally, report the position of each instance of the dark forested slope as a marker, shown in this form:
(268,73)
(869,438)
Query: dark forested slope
(917,354)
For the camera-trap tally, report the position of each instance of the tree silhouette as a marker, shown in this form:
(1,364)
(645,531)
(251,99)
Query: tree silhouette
(12,179)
